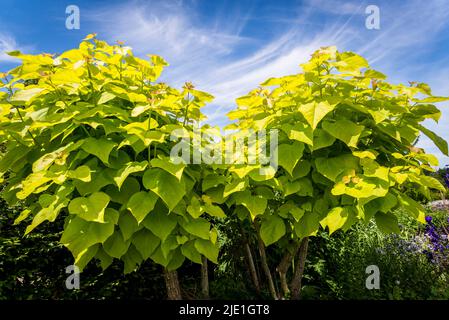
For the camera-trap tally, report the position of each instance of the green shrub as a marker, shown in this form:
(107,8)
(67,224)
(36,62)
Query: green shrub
(33,267)
(336,265)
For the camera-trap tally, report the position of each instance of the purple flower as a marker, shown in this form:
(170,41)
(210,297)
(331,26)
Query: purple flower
(428,219)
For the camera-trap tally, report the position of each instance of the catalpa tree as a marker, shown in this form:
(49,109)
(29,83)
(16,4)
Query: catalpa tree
(346,154)
(87,135)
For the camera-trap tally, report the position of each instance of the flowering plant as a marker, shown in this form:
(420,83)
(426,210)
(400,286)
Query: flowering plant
(438,240)
(432,242)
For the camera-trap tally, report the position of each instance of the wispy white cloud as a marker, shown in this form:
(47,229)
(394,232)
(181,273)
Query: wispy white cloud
(336,7)
(169,29)
(405,29)
(7,43)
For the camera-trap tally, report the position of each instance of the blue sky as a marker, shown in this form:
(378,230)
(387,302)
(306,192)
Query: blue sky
(229,47)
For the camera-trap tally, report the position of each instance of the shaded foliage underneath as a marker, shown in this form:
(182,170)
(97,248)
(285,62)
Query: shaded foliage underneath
(33,267)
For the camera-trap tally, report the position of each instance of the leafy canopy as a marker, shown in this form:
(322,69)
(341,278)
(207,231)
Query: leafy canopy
(88,136)
(345,151)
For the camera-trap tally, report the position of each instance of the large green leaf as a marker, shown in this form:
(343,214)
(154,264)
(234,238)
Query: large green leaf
(165,185)
(170,167)
(128,225)
(414,208)
(255,204)
(91,208)
(130,187)
(322,139)
(31,183)
(99,179)
(172,261)
(344,130)
(132,258)
(169,245)
(433,99)
(105,259)
(105,97)
(59,156)
(49,213)
(299,131)
(83,258)
(191,252)
(439,142)
(272,228)
(81,173)
(331,168)
(208,249)
(128,169)
(351,62)
(335,219)
(141,203)
(51,207)
(305,187)
(289,155)
(212,180)
(314,111)
(363,188)
(80,234)
(198,227)
(145,242)
(116,246)
(234,186)
(26,95)
(176,261)
(308,225)
(195,209)
(100,148)
(214,211)
(160,223)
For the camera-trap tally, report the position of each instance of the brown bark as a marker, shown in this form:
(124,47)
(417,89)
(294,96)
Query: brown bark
(299,269)
(252,267)
(250,261)
(172,285)
(283,267)
(204,278)
(265,267)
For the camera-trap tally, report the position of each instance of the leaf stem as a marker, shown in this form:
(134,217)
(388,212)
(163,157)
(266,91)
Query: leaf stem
(187,110)
(29,132)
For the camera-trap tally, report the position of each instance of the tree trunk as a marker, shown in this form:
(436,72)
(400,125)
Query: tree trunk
(204,278)
(250,260)
(172,285)
(283,267)
(266,269)
(252,268)
(299,269)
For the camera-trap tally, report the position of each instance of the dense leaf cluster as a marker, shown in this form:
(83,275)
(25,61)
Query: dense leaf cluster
(88,132)
(90,138)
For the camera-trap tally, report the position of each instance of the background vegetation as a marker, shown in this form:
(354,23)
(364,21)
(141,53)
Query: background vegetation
(33,267)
